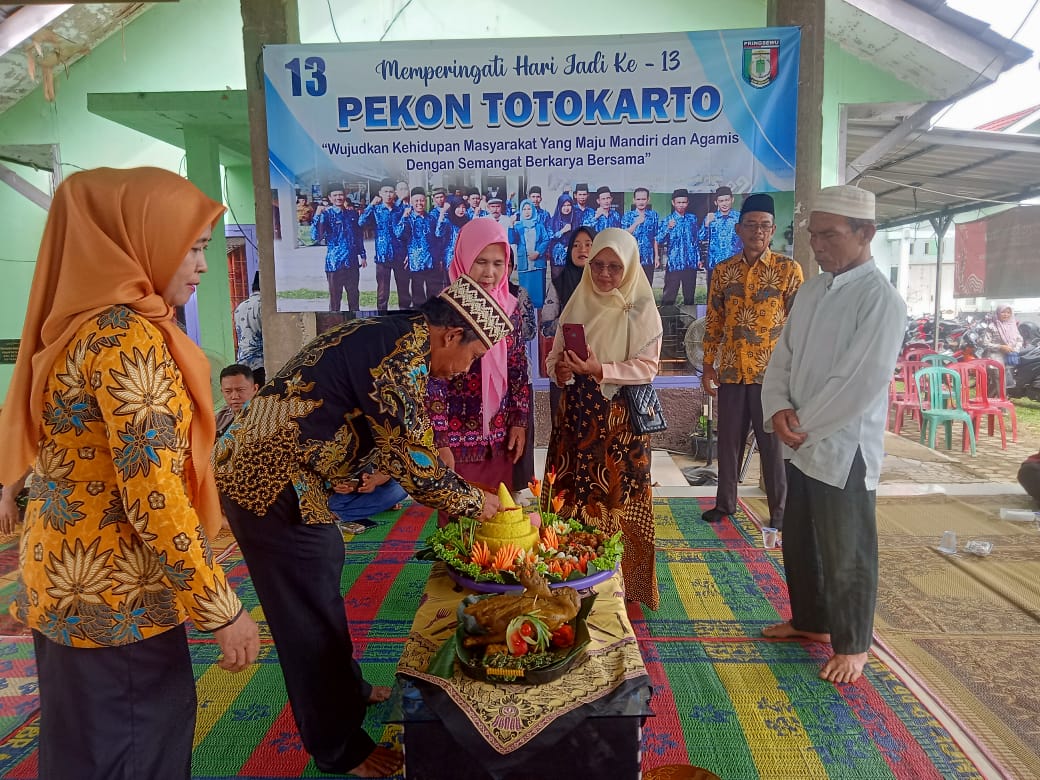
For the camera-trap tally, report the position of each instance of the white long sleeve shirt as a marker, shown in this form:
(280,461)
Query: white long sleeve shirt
(832,365)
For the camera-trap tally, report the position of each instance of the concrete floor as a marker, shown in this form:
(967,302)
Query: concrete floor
(909,469)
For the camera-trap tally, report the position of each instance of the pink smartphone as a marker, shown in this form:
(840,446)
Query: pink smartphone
(574,339)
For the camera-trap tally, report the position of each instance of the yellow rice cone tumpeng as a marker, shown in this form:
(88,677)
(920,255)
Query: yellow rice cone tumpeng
(509,525)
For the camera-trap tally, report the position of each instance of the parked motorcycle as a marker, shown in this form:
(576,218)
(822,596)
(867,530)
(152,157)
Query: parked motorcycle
(1027,376)
(1030,335)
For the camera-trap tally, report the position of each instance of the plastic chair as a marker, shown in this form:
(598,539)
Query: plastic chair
(916,354)
(902,394)
(935,359)
(1001,399)
(931,382)
(975,398)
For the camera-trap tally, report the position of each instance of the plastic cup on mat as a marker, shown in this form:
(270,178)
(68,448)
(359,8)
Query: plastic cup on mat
(948,544)
(1019,515)
(769,537)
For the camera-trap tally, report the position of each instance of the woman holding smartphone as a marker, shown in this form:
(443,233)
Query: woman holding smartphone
(602,466)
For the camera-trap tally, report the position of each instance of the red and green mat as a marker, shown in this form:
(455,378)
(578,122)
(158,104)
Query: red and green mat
(725,698)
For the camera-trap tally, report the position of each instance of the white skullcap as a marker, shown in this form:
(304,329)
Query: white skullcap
(846,201)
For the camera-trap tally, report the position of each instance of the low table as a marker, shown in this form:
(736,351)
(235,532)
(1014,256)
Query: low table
(588,721)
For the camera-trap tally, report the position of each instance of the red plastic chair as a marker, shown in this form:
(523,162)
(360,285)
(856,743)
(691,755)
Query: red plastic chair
(904,399)
(1001,399)
(975,398)
(915,355)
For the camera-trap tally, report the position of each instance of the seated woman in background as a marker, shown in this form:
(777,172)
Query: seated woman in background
(1006,342)
(480,417)
(602,466)
(559,294)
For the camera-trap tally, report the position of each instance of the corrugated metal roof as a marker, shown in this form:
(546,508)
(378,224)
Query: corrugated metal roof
(942,171)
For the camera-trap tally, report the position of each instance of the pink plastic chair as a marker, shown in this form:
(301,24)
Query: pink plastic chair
(1001,400)
(975,398)
(903,400)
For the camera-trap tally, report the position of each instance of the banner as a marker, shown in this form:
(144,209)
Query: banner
(379,152)
(996,256)
(969,259)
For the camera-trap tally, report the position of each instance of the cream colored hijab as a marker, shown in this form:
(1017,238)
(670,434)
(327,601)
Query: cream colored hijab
(112,237)
(621,323)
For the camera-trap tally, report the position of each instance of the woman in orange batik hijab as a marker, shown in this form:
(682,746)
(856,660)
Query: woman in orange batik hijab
(110,403)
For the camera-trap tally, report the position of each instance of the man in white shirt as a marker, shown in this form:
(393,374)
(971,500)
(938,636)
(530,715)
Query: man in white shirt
(825,397)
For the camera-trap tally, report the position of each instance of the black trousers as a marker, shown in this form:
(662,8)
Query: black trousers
(348,278)
(672,279)
(649,271)
(740,410)
(831,557)
(399,270)
(116,713)
(296,570)
(425,285)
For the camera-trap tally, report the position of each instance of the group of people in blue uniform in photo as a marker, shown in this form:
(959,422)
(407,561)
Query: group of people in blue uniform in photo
(416,231)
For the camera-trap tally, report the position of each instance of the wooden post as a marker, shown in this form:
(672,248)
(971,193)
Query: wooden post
(267,22)
(810,17)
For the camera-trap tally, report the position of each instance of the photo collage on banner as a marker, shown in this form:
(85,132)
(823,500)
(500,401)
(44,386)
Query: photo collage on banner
(380,152)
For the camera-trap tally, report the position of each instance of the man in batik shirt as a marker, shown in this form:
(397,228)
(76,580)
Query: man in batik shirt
(473,208)
(581,201)
(535,196)
(750,297)
(719,231)
(679,233)
(604,215)
(390,254)
(643,223)
(416,230)
(353,398)
(338,227)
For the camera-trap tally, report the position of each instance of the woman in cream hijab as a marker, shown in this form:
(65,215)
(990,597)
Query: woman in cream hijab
(602,467)
(110,403)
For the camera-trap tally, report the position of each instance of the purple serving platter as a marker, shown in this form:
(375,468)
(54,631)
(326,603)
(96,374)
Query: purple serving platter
(499,587)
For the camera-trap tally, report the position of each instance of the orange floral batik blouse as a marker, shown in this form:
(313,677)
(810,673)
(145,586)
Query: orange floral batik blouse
(113,551)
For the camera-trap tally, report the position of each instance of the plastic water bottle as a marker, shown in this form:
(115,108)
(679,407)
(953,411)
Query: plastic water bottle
(1019,515)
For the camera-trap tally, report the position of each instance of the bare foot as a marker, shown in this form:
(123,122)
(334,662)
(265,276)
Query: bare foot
(844,668)
(379,693)
(381,762)
(787,631)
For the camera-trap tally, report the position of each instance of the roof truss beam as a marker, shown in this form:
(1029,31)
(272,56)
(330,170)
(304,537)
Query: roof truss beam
(917,121)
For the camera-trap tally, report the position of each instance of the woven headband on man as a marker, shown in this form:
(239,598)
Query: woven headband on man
(479,309)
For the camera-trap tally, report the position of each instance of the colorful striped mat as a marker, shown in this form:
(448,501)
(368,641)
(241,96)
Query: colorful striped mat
(724,698)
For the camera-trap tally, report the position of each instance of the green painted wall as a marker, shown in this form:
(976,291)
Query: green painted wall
(847,79)
(367,21)
(192,44)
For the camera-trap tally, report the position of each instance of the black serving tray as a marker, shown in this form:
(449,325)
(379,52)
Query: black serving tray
(471,660)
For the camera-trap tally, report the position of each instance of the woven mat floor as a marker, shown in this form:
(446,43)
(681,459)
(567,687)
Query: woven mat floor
(725,698)
(967,628)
